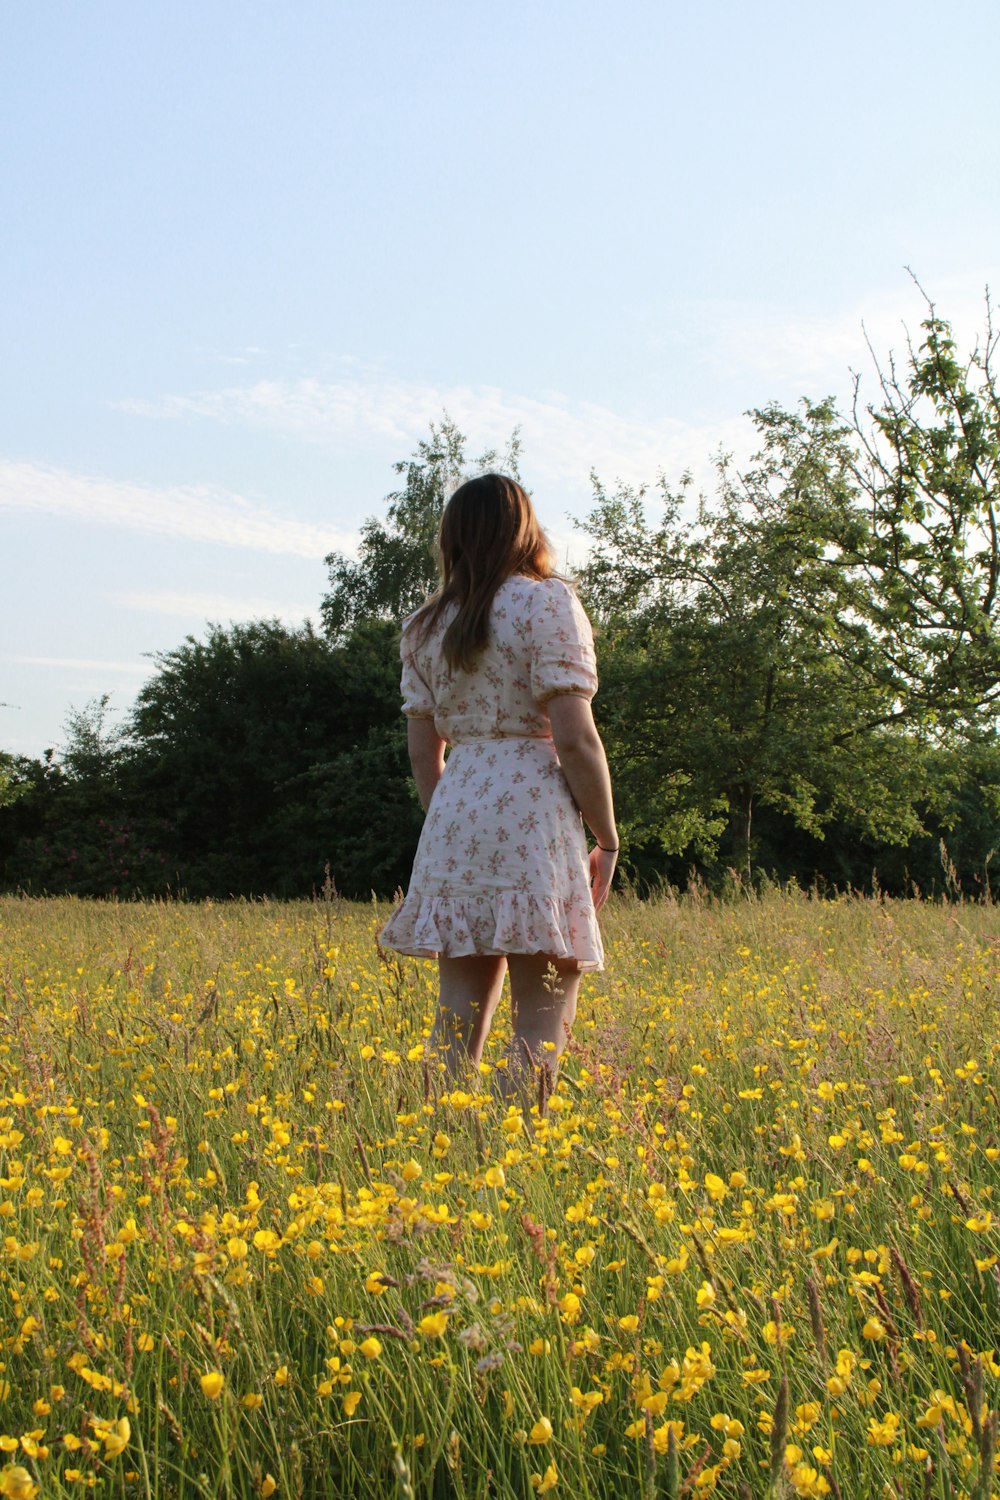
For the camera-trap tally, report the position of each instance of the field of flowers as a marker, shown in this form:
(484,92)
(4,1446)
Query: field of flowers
(254,1245)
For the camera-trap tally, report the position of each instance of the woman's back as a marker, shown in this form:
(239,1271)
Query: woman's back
(540,644)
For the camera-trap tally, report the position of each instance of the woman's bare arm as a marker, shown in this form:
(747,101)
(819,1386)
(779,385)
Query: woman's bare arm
(584,763)
(585,766)
(426,749)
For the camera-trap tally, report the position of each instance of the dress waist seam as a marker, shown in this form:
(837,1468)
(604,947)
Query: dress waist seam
(493,739)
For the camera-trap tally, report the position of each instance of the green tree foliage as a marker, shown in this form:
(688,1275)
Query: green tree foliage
(802,646)
(953,852)
(8,779)
(71,829)
(928,470)
(255,760)
(396,566)
(235,734)
(800,674)
(23,816)
(739,677)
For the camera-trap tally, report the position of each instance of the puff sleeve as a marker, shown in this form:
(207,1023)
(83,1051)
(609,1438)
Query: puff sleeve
(562,644)
(418,697)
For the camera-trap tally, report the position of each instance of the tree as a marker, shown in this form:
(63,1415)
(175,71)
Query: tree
(822,626)
(93,745)
(739,669)
(364,801)
(800,672)
(234,732)
(929,469)
(73,827)
(9,789)
(397,566)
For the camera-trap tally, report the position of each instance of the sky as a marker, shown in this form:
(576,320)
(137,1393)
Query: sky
(250,251)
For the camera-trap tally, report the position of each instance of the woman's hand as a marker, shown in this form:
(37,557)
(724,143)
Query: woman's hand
(602,869)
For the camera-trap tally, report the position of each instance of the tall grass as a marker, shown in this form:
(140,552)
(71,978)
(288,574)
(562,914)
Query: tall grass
(254,1244)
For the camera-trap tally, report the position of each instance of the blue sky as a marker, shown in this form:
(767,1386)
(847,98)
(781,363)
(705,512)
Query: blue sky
(250,251)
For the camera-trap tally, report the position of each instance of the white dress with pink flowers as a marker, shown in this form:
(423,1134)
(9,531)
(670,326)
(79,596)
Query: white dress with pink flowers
(501,866)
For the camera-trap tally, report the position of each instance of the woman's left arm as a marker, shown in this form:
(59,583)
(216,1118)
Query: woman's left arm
(426,749)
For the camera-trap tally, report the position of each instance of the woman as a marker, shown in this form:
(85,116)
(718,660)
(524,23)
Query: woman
(499,664)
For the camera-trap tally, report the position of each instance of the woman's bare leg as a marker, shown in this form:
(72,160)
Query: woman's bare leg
(470,990)
(543,1006)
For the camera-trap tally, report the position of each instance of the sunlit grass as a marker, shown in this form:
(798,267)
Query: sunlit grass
(253,1244)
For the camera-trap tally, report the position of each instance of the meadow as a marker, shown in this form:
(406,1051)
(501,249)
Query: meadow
(254,1244)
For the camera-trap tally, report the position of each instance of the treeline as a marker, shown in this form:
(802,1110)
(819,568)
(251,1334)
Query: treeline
(800,679)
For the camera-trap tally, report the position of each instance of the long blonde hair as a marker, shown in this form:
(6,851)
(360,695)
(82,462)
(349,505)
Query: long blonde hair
(489,530)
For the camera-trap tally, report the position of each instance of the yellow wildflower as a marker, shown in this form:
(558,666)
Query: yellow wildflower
(16,1483)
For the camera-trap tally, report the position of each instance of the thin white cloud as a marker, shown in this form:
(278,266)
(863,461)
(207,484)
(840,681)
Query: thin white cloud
(564,440)
(766,352)
(82,664)
(191,513)
(213,606)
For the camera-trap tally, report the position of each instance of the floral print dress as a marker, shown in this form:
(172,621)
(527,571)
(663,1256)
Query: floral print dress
(502,865)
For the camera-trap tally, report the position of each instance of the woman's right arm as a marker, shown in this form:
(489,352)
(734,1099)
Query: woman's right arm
(585,766)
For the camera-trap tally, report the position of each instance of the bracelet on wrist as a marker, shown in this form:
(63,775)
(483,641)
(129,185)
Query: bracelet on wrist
(609,851)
